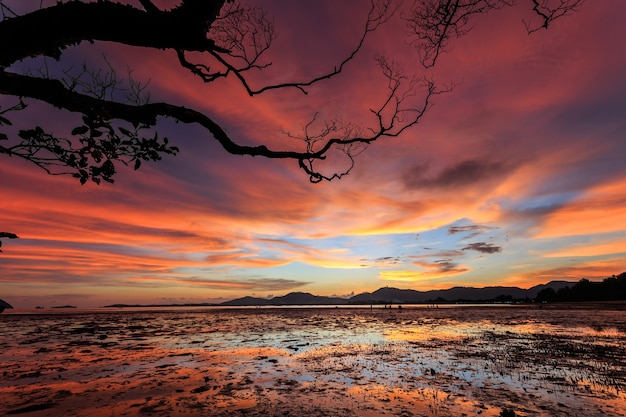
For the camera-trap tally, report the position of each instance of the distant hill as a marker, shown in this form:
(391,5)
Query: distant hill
(247,301)
(389,295)
(294,298)
(555,285)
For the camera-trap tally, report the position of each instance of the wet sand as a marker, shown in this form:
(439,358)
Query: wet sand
(315,362)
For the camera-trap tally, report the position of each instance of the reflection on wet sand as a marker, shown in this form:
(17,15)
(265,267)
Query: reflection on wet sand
(315,362)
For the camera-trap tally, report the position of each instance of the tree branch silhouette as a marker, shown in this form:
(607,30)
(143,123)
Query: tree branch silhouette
(235,36)
(432,25)
(213,40)
(548,11)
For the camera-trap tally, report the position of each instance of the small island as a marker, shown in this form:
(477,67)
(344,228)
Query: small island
(4,305)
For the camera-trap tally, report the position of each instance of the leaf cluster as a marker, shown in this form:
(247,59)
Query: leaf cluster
(94,149)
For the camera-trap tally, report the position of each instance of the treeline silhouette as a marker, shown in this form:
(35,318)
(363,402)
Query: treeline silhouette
(612,288)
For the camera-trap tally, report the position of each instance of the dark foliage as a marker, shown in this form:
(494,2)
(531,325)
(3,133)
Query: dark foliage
(612,288)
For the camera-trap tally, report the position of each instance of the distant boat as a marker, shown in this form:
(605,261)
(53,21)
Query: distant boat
(3,305)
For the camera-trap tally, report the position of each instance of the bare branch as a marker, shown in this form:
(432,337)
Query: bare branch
(245,32)
(149,6)
(433,24)
(380,12)
(6,12)
(399,111)
(550,10)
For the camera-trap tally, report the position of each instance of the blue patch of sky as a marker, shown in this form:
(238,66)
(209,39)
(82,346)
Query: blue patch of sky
(544,203)
(368,249)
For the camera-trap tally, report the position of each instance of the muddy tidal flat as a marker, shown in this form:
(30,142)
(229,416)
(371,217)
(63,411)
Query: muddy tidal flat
(417,361)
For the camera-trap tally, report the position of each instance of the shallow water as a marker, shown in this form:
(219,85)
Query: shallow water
(322,362)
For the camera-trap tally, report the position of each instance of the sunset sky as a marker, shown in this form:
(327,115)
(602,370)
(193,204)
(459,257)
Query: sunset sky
(516,177)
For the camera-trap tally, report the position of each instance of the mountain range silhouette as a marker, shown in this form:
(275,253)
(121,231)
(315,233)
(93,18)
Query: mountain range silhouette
(390,295)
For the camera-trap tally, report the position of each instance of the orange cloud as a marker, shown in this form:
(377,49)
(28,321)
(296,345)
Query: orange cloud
(601,209)
(243,260)
(258,284)
(592,270)
(608,247)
